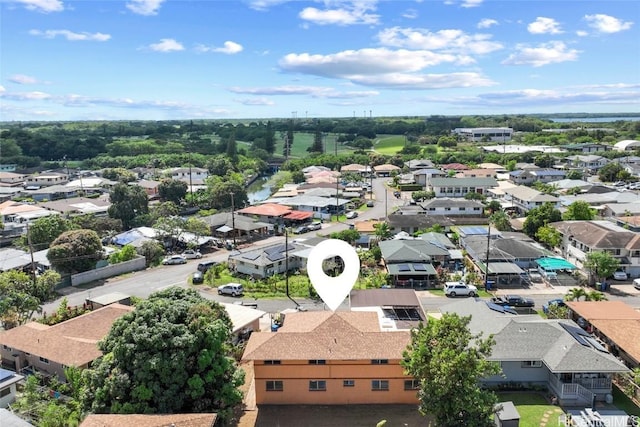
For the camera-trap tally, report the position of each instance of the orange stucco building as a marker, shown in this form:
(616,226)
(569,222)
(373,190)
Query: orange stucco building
(330,358)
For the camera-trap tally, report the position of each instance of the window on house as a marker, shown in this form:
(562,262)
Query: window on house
(379,361)
(44,360)
(447,209)
(318,362)
(317,385)
(271,362)
(7,348)
(462,209)
(5,392)
(532,364)
(380,385)
(411,384)
(274,385)
(348,383)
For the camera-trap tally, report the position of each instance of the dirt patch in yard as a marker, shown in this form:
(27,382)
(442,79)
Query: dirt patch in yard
(339,415)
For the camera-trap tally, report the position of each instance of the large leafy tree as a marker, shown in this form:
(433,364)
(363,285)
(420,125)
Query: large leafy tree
(580,211)
(170,355)
(549,236)
(449,362)
(172,190)
(75,251)
(501,221)
(601,264)
(22,296)
(44,230)
(540,216)
(220,190)
(127,203)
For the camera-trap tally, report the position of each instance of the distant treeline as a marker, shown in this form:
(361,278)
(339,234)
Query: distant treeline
(30,143)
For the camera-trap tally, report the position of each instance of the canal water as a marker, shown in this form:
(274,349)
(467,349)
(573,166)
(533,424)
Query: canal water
(259,190)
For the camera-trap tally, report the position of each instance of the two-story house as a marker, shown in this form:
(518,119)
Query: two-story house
(448,206)
(331,358)
(460,187)
(526,198)
(591,163)
(581,237)
(529,176)
(45,179)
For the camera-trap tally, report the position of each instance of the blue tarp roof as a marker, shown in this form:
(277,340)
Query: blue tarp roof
(551,264)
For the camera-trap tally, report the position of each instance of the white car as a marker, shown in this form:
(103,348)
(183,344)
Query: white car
(620,275)
(174,259)
(454,289)
(233,289)
(352,215)
(191,254)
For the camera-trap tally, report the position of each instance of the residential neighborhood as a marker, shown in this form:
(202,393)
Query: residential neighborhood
(86,251)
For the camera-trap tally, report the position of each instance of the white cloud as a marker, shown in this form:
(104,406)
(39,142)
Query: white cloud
(581,33)
(424,81)
(349,14)
(313,91)
(45,6)
(230,48)
(607,24)
(2,89)
(71,35)
(410,14)
(25,96)
(145,7)
(544,25)
(263,5)
(166,45)
(551,97)
(445,40)
(471,3)
(543,54)
(255,101)
(22,79)
(487,23)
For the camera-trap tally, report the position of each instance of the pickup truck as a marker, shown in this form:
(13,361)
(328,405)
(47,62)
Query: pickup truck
(513,301)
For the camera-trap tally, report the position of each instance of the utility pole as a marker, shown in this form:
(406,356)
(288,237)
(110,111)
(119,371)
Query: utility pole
(33,264)
(233,221)
(337,202)
(486,264)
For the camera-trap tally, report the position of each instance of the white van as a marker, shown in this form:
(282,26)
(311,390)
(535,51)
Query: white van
(636,284)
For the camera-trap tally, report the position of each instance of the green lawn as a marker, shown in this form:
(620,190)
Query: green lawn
(624,403)
(303,140)
(390,144)
(533,408)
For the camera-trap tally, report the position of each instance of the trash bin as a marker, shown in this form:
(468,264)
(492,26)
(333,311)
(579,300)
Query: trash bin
(605,286)
(598,286)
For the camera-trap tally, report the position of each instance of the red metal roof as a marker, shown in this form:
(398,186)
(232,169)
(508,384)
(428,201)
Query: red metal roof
(298,215)
(267,209)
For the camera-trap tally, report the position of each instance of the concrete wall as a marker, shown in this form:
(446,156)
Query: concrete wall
(138,263)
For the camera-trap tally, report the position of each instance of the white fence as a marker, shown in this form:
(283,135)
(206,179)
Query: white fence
(138,263)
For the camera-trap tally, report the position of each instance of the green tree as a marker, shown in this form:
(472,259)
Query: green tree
(549,236)
(574,174)
(316,146)
(575,294)
(349,236)
(475,196)
(127,203)
(119,174)
(22,296)
(45,230)
(540,216)
(449,361)
(610,172)
(104,226)
(75,251)
(232,148)
(382,231)
(170,355)
(494,206)
(595,296)
(501,221)
(127,253)
(172,190)
(152,251)
(420,196)
(544,161)
(600,264)
(580,211)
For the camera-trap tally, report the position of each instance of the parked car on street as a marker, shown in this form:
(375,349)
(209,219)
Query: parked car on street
(301,230)
(351,215)
(620,275)
(315,226)
(198,277)
(174,259)
(559,302)
(397,194)
(205,265)
(233,289)
(513,301)
(370,204)
(191,254)
(454,289)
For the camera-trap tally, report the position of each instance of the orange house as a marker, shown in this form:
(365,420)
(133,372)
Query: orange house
(327,358)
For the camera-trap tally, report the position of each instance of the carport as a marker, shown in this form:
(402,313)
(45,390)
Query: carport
(503,273)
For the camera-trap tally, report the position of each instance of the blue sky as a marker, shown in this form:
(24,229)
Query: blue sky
(180,59)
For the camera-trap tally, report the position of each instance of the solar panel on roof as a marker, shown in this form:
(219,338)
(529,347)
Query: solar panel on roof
(577,333)
(419,267)
(500,309)
(251,256)
(4,374)
(595,344)
(404,267)
(276,256)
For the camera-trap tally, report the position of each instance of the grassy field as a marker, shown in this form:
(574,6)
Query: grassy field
(389,144)
(533,408)
(302,141)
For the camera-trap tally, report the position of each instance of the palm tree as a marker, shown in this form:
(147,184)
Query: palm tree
(575,294)
(383,231)
(595,296)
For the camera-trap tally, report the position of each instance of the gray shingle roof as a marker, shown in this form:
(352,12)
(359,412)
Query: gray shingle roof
(464,182)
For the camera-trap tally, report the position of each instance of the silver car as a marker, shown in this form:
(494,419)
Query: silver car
(233,289)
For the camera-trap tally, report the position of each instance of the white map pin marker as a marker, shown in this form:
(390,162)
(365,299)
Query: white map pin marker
(333,290)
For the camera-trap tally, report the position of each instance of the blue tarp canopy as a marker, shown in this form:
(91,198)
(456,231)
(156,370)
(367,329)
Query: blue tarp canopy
(552,264)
